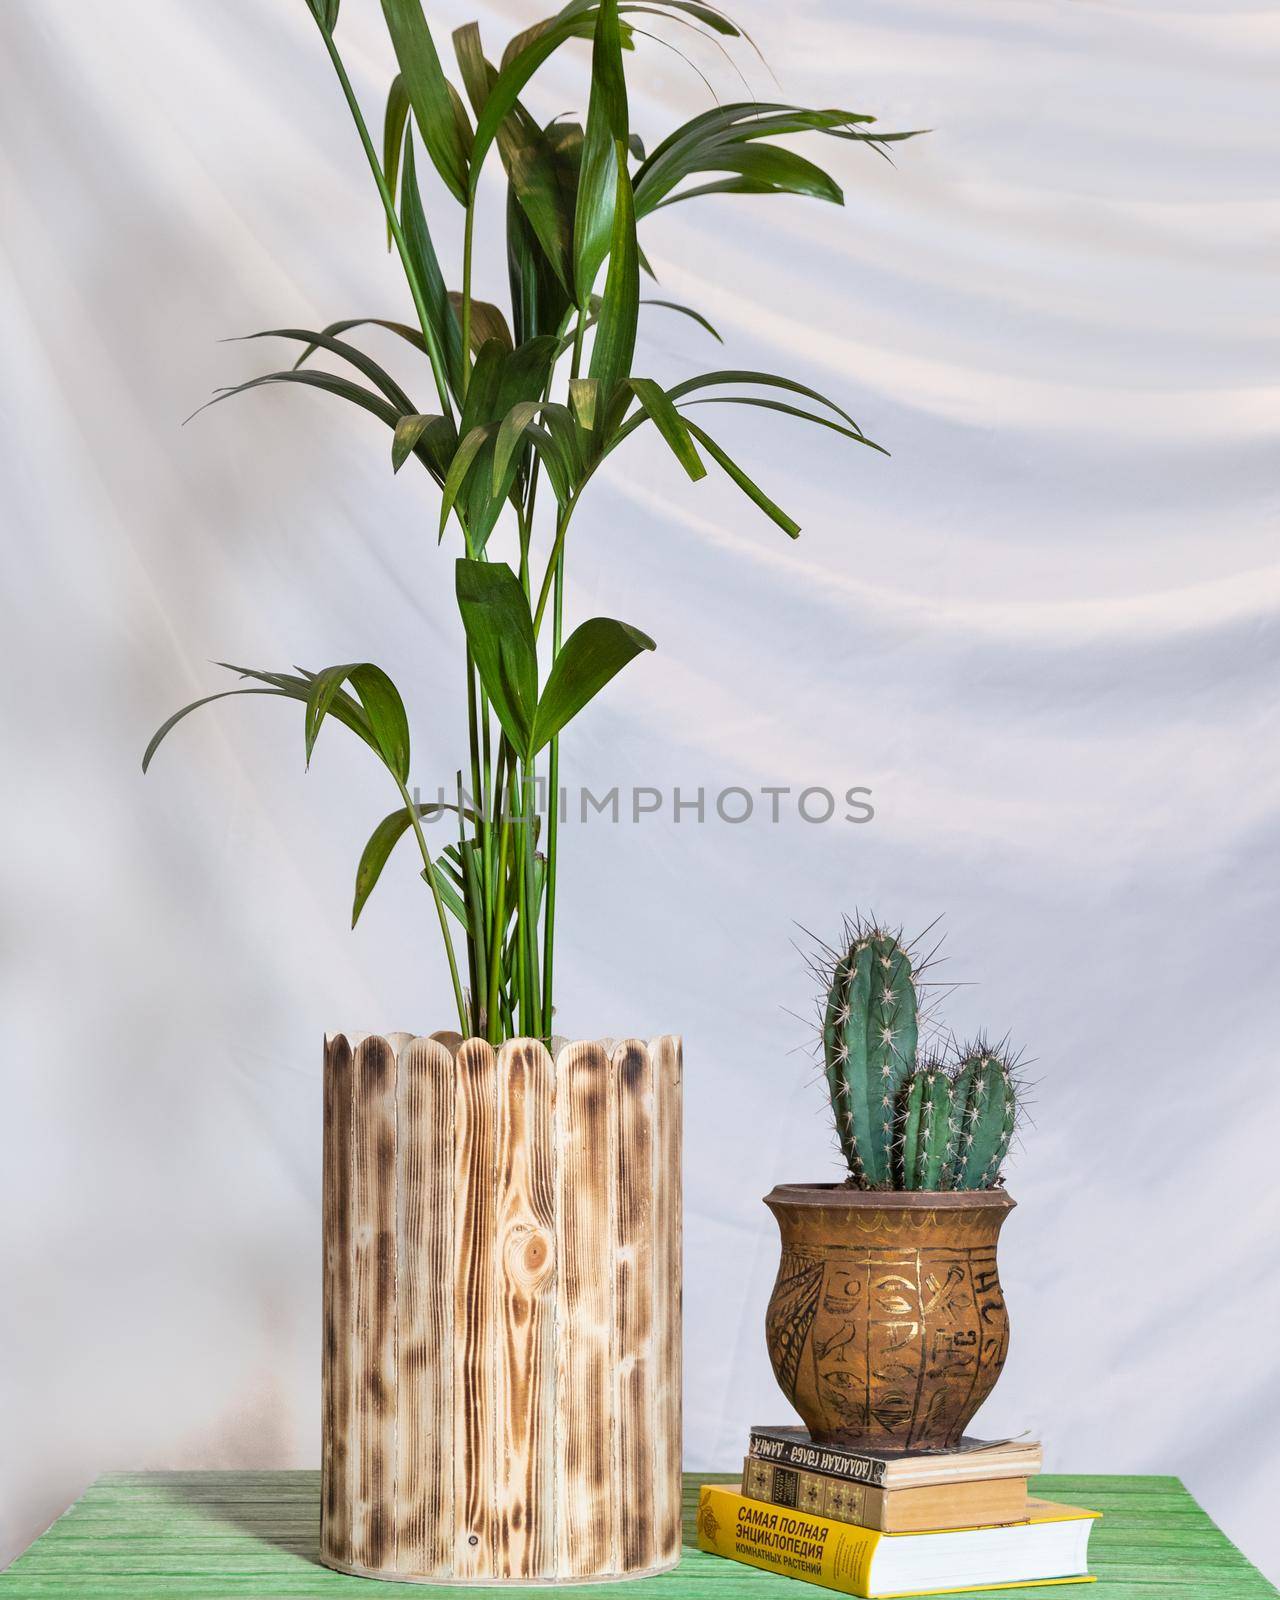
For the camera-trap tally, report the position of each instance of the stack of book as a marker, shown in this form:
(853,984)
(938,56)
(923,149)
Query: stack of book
(874,1524)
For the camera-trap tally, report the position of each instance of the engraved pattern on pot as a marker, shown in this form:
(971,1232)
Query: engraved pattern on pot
(791,1311)
(894,1333)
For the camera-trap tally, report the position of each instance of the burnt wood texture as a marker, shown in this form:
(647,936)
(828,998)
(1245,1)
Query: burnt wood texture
(501,1385)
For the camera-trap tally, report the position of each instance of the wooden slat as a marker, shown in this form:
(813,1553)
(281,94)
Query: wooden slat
(509,1307)
(667,1281)
(475,1118)
(586,1123)
(424,1309)
(633,1306)
(373,1325)
(336,1393)
(525,1259)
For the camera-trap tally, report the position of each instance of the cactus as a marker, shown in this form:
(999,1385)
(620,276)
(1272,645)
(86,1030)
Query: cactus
(910,1116)
(931,1123)
(935,1148)
(869,1045)
(928,1127)
(989,1115)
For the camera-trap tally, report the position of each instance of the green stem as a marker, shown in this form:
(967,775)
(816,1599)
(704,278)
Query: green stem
(474,969)
(476,933)
(579,333)
(530,929)
(440,911)
(553,812)
(518,952)
(499,912)
(524,978)
(475,898)
(486,808)
(557,556)
(473,739)
(553,762)
(393,222)
(468,231)
(525,530)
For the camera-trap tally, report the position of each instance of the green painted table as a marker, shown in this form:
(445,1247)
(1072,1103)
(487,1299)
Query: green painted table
(215,1535)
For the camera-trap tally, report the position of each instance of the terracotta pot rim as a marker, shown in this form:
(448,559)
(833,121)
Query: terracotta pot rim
(838,1197)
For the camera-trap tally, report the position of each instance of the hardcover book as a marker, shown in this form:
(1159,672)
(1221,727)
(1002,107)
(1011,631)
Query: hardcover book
(972,1458)
(934,1506)
(1050,1547)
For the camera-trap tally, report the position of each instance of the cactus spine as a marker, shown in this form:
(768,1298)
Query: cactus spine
(928,1124)
(869,1046)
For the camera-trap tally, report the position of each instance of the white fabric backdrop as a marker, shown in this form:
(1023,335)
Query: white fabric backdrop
(1043,634)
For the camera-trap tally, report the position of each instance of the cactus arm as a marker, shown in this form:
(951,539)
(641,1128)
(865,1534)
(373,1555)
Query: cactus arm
(912,1105)
(992,1174)
(835,1055)
(891,1034)
(937,1135)
(989,1177)
(861,1084)
(961,1093)
(988,1114)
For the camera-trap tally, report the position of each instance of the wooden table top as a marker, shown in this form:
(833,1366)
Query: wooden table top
(214,1535)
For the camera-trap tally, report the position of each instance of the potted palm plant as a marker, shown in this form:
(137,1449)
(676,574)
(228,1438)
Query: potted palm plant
(501,1207)
(887,1328)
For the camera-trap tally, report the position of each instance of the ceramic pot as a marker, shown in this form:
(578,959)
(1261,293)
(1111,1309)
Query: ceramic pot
(886,1327)
(501,1399)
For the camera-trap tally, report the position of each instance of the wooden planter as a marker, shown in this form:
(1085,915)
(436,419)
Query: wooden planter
(886,1327)
(501,1309)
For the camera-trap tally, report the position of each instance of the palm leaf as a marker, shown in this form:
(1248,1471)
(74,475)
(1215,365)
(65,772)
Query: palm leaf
(487,322)
(444,325)
(770,380)
(615,339)
(748,486)
(158,737)
(521,59)
(669,423)
(469,447)
(348,352)
(604,150)
(527,155)
(409,334)
(378,698)
(726,139)
(761,169)
(382,841)
(290,685)
(686,311)
(432,433)
(428,447)
(428,92)
(376,404)
(789,411)
(393,126)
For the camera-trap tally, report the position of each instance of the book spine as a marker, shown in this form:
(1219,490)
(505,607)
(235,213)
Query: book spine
(835,1555)
(815,1458)
(815,1493)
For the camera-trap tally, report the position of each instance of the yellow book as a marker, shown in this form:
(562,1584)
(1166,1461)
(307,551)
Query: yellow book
(1050,1547)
